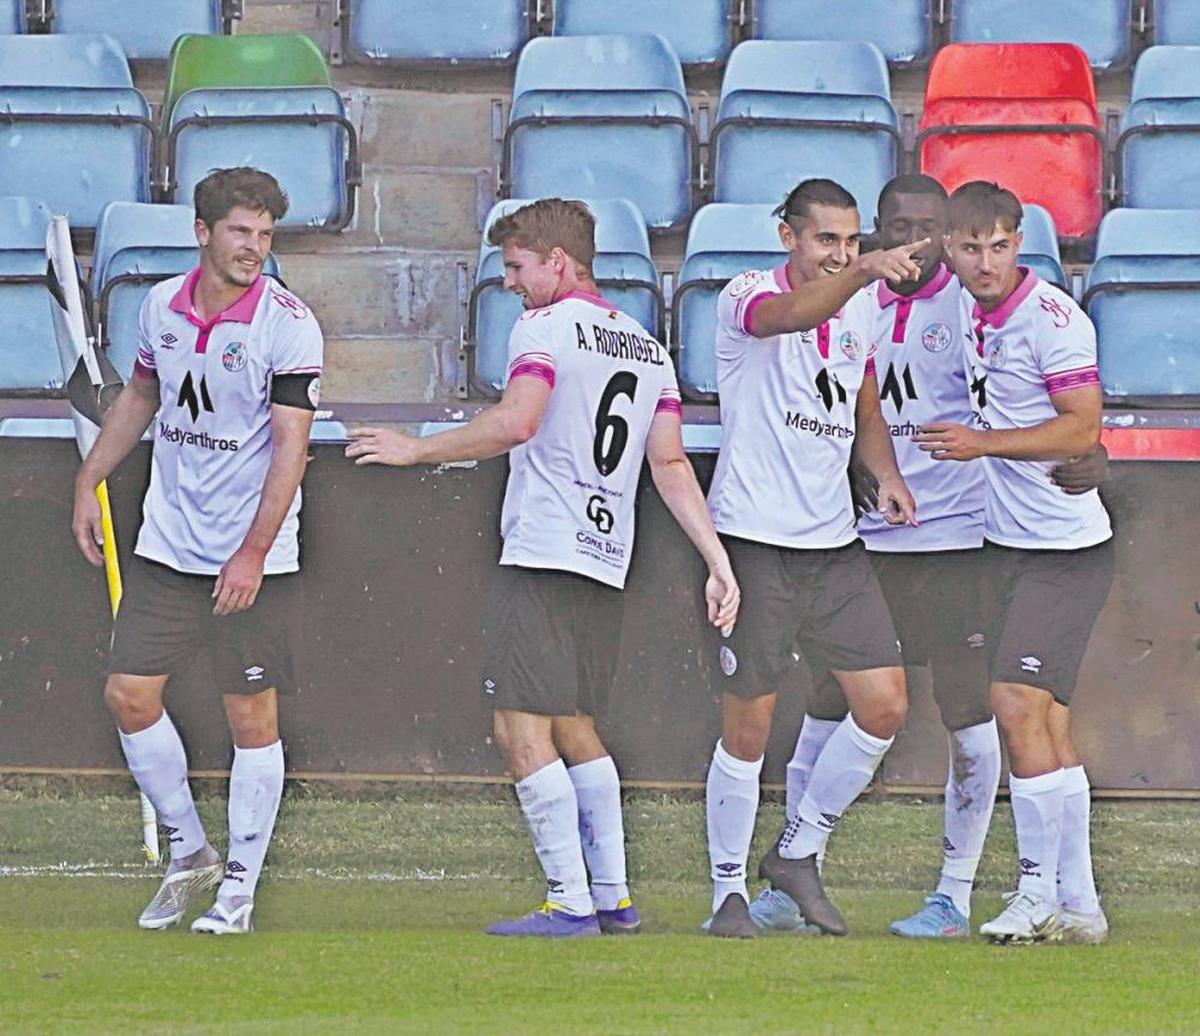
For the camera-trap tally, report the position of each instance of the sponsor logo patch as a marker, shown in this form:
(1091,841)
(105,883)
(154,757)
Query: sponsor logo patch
(997,353)
(936,338)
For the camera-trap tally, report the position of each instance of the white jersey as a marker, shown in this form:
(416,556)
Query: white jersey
(1037,343)
(920,375)
(212,435)
(787,420)
(569,503)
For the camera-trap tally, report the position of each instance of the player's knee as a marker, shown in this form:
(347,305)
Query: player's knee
(1016,711)
(884,715)
(827,700)
(132,711)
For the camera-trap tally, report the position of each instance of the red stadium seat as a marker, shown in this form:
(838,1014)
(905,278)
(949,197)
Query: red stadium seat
(1020,114)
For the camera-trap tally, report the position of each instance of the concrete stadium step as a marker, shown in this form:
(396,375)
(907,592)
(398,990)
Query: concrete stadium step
(380,369)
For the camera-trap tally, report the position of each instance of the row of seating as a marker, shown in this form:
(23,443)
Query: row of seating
(608,116)
(144,34)
(75,129)
(1143,292)
(137,245)
(703,32)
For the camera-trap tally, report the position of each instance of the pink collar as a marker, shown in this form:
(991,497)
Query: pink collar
(587,296)
(240,312)
(936,283)
(783,277)
(996,318)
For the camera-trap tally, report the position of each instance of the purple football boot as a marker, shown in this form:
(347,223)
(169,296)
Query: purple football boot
(549,922)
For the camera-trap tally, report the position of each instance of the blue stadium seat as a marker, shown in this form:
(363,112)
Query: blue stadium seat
(1158,154)
(28,352)
(140,35)
(270,129)
(1143,294)
(73,127)
(602,117)
(899,28)
(723,241)
(794,110)
(623,269)
(1176,21)
(12,16)
(136,247)
(463,31)
(1100,27)
(703,37)
(1039,249)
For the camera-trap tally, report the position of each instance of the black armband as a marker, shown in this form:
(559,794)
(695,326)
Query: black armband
(301,389)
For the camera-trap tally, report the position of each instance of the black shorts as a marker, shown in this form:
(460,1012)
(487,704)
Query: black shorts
(166,620)
(1047,601)
(552,642)
(826,602)
(936,600)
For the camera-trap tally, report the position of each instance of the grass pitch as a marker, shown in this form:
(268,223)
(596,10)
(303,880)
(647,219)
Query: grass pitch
(371,911)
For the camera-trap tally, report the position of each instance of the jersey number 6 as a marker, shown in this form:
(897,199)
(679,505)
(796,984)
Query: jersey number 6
(612,431)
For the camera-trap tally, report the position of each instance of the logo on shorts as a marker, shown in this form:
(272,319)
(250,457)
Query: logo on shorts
(233,359)
(976,640)
(489,686)
(1031,664)
(728,660)
(851,345)
(936,338)
(255,672)
(599,515)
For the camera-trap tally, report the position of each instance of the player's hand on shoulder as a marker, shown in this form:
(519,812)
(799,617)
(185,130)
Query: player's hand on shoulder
(723,596)
(895,502)
(238,582)
(383,446)
(87,525)
(892,264)
(948,441)
(1082,474)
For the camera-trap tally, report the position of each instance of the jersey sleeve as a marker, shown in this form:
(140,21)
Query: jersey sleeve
(532,349)
(297,355)
(669,400)
(145,365)
(738,299)
(1066,346)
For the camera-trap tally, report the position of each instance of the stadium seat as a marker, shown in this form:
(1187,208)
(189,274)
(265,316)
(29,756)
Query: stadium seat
(723,241)
(1143,294)
(1157,157)
(1100,27)
(1023,115)
(140,36)
(464,31)
(73,126)
(28,352)
(623,269)
(702,38)
(899,28)
(263,101)
(12,16)
(602,117)
(1039,247)
(1176,22)
(136,247)
(793,110)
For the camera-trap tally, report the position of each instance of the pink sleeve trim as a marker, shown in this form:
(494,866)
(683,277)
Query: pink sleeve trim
(1081,377)
(746,307)
(300,370)
(523,368)
(669,403)
(140,370)
(870,368)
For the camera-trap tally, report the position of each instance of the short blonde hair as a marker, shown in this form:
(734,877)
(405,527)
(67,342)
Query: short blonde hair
(546,224)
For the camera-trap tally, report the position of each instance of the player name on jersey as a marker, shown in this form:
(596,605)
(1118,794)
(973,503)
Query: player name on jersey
(569,502)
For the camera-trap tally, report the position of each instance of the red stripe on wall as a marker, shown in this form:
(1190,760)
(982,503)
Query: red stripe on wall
(1152,443)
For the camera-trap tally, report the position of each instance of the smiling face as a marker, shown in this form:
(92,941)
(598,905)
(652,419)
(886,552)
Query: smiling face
(986,263)
(907,218)
(234,249)
(535,278)
(822,243)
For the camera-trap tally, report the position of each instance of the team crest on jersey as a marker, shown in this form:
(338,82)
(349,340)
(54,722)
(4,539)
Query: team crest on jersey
(729,660)
(936,338)
(851,345)
(996,354)
(233,359)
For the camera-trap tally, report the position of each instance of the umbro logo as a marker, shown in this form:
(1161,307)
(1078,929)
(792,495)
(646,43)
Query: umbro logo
(947,845)
(554,885)
(232,870)
(489,686)
(255,672)
(829,820)
(189,399)
(1031,664)
(1029,868)
(729,870)
(171,832)
(167,340)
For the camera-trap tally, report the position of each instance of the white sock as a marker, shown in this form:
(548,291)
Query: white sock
(731,803)
(1076,885)
(601,830)
(844,769)
(1037,805)
(813,735)
(551,810)
(971,783)
(255,788)
(159,765)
